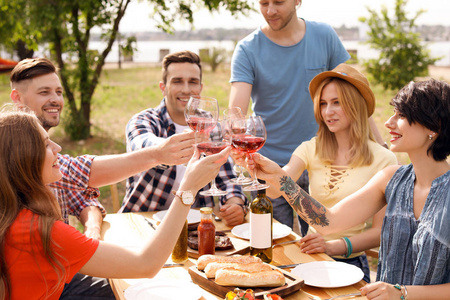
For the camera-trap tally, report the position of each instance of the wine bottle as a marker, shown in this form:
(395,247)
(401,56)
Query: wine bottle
(261,216)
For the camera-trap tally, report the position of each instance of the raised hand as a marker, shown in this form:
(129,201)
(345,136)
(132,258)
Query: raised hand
(177,149)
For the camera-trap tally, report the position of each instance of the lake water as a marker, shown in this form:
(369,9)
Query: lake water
(149,51)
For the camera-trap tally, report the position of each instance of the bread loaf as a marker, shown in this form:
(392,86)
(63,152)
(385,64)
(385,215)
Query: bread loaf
(208,258)
(212,268)
(233,277)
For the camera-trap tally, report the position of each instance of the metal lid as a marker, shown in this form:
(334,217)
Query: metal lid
(206,210)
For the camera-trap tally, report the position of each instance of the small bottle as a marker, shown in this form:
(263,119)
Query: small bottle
(206,232)
(261,216)
(179,252)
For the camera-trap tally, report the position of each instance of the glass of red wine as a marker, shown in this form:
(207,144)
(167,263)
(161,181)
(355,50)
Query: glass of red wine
(201,113)
(235,124)
(249,142)
(212,142)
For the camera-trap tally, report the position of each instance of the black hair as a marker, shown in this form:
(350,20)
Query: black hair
(428,104)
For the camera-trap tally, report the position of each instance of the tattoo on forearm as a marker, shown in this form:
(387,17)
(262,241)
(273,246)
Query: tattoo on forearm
(305,206)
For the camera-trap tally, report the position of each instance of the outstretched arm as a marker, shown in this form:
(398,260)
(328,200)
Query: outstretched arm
(352,210)
(109,169)
(148,261)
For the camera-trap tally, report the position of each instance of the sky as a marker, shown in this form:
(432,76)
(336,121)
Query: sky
(333,12)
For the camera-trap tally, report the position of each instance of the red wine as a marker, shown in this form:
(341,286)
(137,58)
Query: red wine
(201,124)
(247,143)
(211,147)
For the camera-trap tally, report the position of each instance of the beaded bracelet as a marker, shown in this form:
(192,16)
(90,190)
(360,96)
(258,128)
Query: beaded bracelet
(348,246)
(399,287)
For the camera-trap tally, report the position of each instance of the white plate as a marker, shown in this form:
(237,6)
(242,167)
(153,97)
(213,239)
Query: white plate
(163,290)
(193,217)
(328,274)
(279,231)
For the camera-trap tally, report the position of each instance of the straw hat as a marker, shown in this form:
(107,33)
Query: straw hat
(353,76)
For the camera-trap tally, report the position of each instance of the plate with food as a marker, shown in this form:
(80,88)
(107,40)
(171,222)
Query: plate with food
(163,290)
(278,231)
(193,217)
(328,274)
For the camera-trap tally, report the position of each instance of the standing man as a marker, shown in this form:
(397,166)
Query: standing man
(153,189)
(273,66)
(36,86)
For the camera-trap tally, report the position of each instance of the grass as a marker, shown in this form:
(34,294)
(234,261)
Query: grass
(125,92)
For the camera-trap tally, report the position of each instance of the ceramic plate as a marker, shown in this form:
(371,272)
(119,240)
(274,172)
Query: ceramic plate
(328,274)
(193,217)
(163,290)
(279,231)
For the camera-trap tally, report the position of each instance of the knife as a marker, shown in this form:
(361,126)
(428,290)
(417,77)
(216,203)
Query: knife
(345,296)
(282,243)
(172,265)
(149,223)
(288,266)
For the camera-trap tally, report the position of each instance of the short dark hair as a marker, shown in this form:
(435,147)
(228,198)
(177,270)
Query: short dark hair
(30,68)
(179,57)
(428,103)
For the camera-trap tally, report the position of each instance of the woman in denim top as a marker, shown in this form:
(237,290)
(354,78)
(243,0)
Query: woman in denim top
(414,261)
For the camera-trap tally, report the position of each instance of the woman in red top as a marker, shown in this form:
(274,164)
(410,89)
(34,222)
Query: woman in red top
(40,253)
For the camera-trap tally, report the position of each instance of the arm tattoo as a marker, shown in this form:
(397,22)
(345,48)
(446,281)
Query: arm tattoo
(305,206)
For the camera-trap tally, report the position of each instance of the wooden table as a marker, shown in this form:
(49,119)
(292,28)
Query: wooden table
(131,230)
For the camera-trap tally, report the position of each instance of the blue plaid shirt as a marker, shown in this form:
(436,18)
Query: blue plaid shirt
(72,190)
(150,190)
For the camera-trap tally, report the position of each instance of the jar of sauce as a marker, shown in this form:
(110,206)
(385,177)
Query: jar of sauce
(206,232)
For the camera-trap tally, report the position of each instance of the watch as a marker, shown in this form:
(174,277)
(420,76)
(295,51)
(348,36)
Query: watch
(186,197)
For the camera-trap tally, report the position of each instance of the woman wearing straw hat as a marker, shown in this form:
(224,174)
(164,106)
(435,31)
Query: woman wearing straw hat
(340,160)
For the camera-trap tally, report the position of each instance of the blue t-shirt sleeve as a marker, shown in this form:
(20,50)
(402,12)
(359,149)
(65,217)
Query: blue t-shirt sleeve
(241,67)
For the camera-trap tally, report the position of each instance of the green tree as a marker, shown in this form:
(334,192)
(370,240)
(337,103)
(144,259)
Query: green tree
(214,57)
(402,55)
(66,26)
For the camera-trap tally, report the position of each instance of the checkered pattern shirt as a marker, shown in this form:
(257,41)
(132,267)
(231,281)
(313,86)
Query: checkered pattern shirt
(151,190)
(72,190)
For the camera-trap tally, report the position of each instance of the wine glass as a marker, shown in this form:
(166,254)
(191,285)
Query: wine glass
(212,142)
(201,113)
(235,123)
(251,141)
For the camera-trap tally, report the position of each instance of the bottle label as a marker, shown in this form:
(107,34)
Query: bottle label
(260,230)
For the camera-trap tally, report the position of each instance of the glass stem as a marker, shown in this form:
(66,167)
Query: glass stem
(255,180)
(213,185)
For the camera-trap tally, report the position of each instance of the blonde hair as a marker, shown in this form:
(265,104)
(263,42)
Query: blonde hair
(355,108)
(22,154)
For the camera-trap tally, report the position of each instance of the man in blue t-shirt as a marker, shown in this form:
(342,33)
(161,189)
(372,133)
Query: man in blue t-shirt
(273,66)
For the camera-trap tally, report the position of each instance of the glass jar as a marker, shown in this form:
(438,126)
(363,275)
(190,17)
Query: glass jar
(206,232)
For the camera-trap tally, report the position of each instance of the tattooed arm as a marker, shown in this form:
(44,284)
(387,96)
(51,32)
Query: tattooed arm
(351,211)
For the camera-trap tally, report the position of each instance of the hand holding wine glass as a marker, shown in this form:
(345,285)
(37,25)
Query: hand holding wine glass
(235,123)
(212,142)
(251,141)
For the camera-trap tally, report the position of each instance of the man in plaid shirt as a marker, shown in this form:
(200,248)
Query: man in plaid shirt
(152,190)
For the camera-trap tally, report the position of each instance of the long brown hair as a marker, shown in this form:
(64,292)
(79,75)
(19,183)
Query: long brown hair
(355,108)
(22,153)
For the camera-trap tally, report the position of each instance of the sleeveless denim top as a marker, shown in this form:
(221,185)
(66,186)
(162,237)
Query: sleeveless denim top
(415,251)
